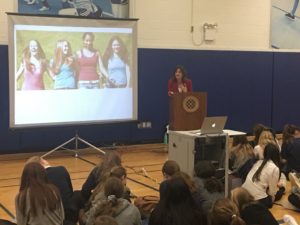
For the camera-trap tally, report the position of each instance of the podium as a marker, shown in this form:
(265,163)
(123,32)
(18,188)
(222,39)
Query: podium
(187,110)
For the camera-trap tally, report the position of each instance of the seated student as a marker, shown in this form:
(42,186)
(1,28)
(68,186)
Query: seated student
(38,201)
(225,212)
(99,195)
(256,130)
(100,173)
(114,205)
(265,138)
(118,172)
(251,211)
(210,188)
(177,207)
(240,153)
(262,180)
(196,195)
(60,177)
(288,133)
(179,82)
(291,148)
(169,169)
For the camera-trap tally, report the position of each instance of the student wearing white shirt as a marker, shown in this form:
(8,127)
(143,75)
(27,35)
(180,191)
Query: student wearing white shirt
(262,180)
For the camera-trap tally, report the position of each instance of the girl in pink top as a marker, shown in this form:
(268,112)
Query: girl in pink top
(179,83)
(32,67)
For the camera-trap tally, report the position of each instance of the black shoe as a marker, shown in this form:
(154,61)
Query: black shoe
(290,16)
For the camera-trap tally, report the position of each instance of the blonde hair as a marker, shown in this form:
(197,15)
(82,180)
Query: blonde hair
(242,152)
(266,137)
(241,197)
(59,57)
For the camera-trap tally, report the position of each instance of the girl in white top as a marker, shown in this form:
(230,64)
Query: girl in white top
(263,178)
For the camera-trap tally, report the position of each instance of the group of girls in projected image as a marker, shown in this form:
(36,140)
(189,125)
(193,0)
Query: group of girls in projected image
(86,69)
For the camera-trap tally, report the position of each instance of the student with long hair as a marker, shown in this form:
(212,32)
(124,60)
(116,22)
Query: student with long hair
(225,212)
(33,66)
(99,195)
(60,177)
(288,133)
(114,205)
(240,153)
(256,130)
(196,194)
(169,169)
(116,62)
(38,202)
(100,173)
(262,180)
(265,138)
(89,60)
(291,148)
(251,211)
(179,83)
(177,207)
(63,66)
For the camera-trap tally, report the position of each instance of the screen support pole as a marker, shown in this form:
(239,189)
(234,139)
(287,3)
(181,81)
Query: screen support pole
(76,139)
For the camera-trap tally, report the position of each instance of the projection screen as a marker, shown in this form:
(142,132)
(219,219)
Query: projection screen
(71,70)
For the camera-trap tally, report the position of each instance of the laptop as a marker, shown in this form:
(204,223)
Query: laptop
(212,125)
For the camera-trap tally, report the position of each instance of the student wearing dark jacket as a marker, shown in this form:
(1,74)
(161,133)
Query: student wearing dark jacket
(177,207)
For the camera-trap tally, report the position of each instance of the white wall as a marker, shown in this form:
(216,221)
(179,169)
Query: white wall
(5,6)
(242,24)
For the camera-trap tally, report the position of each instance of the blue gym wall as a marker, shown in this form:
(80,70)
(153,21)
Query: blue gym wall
(249,87)
(286,86)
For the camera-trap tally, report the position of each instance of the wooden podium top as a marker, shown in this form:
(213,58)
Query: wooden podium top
(187,110)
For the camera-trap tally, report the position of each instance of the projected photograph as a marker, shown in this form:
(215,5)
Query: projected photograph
(60,73)
(285,24)
(89,8)
(48,60)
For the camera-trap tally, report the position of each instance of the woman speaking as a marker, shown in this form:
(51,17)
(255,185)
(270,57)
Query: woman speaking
(179,82)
